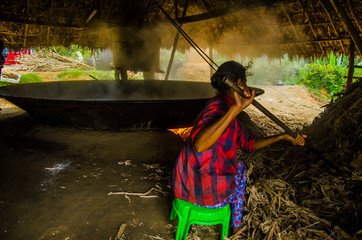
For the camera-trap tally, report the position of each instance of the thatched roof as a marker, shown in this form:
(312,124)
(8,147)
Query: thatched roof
(306,28)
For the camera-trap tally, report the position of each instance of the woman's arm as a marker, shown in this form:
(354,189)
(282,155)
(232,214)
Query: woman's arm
(266,141)
(209,135)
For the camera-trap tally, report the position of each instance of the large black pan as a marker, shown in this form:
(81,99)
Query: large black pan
(116,105)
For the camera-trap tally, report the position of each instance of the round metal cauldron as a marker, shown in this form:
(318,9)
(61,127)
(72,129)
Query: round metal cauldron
(115,105)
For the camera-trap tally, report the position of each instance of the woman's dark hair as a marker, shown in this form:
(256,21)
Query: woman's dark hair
(232,70)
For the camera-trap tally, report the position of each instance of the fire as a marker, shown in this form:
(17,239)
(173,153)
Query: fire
(182,132)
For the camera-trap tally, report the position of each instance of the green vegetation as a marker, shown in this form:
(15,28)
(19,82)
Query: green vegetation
(30,78)
(93,74)
(274,71)
(4,83)
(84,75)
(72,50)
(321,76)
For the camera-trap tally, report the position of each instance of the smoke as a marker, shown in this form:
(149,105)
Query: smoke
(135,48)
(242,36)
(123,91)
(259,35)
(256,33)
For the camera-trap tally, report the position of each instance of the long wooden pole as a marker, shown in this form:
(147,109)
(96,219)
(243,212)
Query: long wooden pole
(348,24)
(282,125)
(261,108)
(351,65)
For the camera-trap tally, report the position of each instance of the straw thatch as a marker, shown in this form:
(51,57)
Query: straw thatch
(306,28)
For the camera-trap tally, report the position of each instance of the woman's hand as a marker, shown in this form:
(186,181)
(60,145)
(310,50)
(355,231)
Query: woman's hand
(210,134)
(240,101)
(299,140)
(266,141)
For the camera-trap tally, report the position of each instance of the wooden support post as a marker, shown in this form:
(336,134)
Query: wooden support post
(351,65)
(25,35)
(169,66)
(120,72)
(93,58)
(124,75)
(48,35)
(26,25)
(50,19)
(348,24)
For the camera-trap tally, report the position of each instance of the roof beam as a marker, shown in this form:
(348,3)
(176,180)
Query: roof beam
(224,11)
(37,22)
(269,44)
(348,25)
(311,26)
(354,15)
(333,26)
(350,65)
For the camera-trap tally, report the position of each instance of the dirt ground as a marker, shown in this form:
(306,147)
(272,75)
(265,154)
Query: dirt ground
(55,182)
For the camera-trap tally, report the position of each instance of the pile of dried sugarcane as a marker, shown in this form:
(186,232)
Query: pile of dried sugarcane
(49,61)
(293,194)
(298,207)
(338,131)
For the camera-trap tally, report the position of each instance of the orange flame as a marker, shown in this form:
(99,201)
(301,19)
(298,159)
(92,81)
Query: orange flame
(182,132)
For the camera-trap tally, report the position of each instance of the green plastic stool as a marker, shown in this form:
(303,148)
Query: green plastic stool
(189,214)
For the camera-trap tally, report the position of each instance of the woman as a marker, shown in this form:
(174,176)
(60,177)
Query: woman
(3,56)
(207,172)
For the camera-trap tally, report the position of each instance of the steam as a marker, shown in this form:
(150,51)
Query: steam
(133,48)
(243,41)
(252,34)
(124,91)
(255,34)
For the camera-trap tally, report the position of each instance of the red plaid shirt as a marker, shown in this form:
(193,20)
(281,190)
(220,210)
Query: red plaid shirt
(206,178)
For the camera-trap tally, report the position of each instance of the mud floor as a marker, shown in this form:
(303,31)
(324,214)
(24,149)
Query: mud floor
(55,182)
